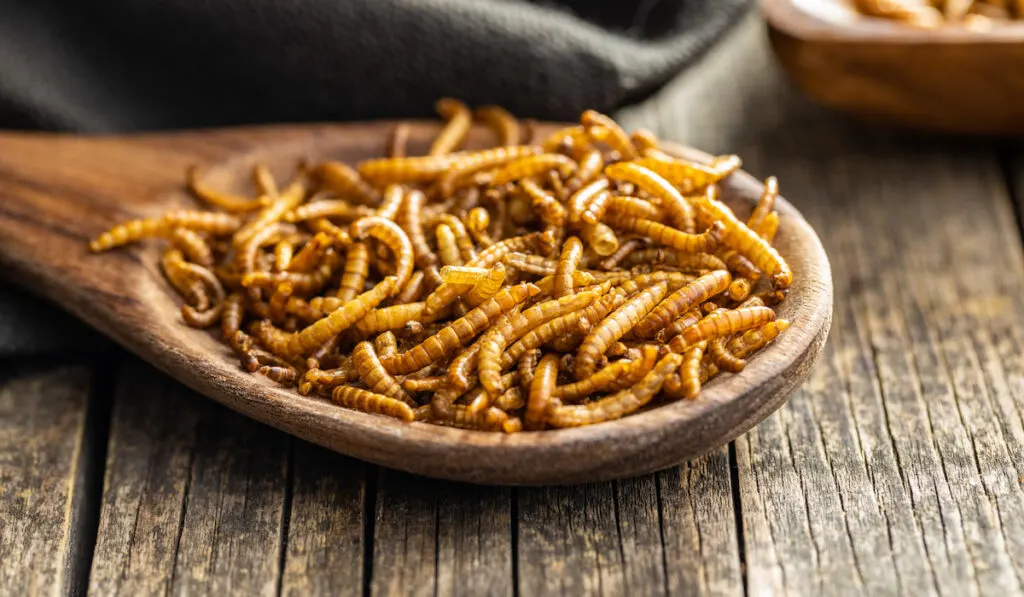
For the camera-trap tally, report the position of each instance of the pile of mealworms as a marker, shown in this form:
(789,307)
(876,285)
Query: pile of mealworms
(974,14)
(536,284)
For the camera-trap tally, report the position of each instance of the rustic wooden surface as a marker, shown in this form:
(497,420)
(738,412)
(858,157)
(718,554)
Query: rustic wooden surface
(896,470)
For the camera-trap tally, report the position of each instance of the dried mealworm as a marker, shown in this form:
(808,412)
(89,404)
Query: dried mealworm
(455,334)
(722,324)
(690,370)
(284,250)
(671,237)
(602,128)
(608,377)
(643,140)
(688,176)
(533,165)
(394,196)
(487,286)
(531,264)
(769,227)
(456,274)
(328,208)
(357,268)
(478,220)
(264,180)
(414,289)
(389,318)
(465,165)
(613,327)
(678,209)
(500,336)
(224,200)
(620,404)
(316,334)
(409,220)
(348,184)
(687,262)
(765,205)
(288,200)
(682,301)
(286,375)
(373,375)
(725,360)
(747,242)
(504,124)
(193,246)
(579,200)
(568,261)
(201,319)
(601,238)
(369,402)
(633,206)
(398,141)
(394,238)
(311,255)
(542,389)
(446,247)
(459,120)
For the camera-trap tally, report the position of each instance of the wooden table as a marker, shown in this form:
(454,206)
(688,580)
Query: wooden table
(895,470)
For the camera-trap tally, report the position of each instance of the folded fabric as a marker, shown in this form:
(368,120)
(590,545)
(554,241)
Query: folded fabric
(120,65)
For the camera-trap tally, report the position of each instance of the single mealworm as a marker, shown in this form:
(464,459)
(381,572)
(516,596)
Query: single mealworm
(347,183)
(316,334)
(373,375)
(609,377)
(459,120)
(388,318)
(620,404)
(533,165)
(328,208)
(514,327)
(568,261)
(722,324)
(747,242)
(388,233)
(765,205)
(725,360)
(601,238)
(409,220)
(579,200)
(466,165)
(681,301)
(398,141)
(505,125)
(455,334)
(615,326)
(634,206)
(414,289)
(224,200)
(602,128)
(671,237)
(690,370)
(591,162)
(678,209)
(447,249)
(369,402)
(542,389)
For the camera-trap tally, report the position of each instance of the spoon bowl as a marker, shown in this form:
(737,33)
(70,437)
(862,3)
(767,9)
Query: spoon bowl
(57,192)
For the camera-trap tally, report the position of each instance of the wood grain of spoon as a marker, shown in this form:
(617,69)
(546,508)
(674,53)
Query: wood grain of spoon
(57,192)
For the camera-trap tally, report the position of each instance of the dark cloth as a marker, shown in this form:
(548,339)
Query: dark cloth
(129,65)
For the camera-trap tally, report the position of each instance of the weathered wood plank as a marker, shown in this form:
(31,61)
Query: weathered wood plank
(326,540)
(894,470)
(670,533)
(44,447)
(434,537)
(193,496)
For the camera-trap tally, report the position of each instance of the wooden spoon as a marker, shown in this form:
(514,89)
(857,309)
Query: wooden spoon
(57,192)
(951,79)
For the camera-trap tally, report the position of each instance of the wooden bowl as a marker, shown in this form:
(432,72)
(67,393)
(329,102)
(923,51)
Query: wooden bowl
(68,189)
(950,79)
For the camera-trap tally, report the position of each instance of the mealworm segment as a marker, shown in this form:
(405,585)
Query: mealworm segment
(523,286)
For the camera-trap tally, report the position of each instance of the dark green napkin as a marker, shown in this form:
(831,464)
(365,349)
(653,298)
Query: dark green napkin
(128,65)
